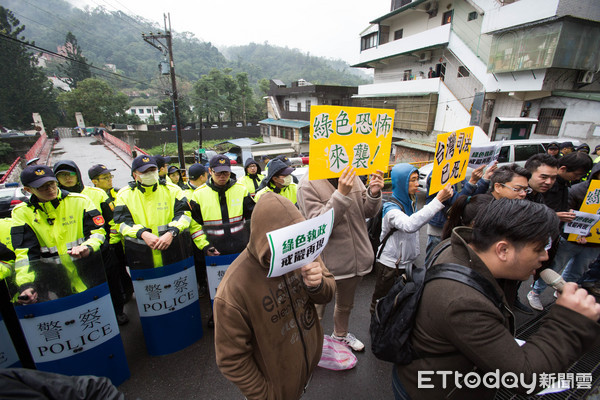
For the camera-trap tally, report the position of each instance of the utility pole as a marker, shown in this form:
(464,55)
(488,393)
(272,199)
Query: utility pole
(153,39)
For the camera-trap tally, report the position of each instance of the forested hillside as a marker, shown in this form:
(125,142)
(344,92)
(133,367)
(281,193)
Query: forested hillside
(116,38)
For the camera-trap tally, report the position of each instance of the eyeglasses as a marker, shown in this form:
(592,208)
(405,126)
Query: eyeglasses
(66,173)
(518,189)
(106,178)
(222,173)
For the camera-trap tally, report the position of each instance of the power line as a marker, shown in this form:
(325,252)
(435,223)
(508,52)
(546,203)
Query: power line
(103,72)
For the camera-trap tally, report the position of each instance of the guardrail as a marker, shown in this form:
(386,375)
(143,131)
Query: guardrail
(37,147)
(140,151)
(117,142)
(10,170)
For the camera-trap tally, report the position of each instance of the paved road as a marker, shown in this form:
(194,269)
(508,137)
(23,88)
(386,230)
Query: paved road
(192,373)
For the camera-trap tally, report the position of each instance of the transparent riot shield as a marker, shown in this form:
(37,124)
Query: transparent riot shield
(216,266)
(66,314)
(167,299)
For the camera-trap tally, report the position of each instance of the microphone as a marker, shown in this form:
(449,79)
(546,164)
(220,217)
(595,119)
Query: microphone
(553,279)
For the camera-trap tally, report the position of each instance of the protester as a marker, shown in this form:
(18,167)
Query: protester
(478,183)
(348,254)
(510,182)
(463,212)
(267,336)
(458,330)
(544,170)
(402,247)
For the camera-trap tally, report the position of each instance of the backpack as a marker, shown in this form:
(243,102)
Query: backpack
(374,227)
(394,317)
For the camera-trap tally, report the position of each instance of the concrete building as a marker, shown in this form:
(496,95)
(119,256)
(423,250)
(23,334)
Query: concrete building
(148,114)
(288,110)
(518,69)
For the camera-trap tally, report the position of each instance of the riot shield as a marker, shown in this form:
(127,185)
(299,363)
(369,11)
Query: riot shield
(66,314)
(167,299)
(216,266)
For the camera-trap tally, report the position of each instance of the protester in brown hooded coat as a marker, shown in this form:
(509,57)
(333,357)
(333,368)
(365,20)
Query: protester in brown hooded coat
(268,338)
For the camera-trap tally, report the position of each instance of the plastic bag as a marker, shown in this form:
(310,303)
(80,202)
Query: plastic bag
(336,355)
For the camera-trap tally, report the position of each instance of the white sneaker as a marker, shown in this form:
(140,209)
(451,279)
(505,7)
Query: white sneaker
(534,301)
(350,340)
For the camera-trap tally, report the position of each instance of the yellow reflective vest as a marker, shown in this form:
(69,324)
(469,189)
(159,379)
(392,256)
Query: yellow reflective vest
(210,227)
(289,192)
(156,209)
(249,183)
(42,230)
(7,255)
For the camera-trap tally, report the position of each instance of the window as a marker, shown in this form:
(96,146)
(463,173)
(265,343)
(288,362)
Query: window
(550,120)
(366,42)
(447,17)
(462,72)
(407,75)
(140,110)
(307,105)
(472,16)
(399,3)
(503,156)
(287,105)
(133,110)
(335,102)
(524,151)
(398,34)
(148,111)
(299,107)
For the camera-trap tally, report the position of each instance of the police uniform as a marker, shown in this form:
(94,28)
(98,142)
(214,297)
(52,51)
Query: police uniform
(47,229)
(158,209)
(252,182)
(220,213)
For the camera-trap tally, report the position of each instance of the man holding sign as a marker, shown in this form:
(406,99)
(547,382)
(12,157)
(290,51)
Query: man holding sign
(268,338)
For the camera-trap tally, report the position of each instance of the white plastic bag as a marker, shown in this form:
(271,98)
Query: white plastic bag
(336,355)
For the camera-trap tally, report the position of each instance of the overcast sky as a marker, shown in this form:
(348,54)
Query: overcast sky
(328,28)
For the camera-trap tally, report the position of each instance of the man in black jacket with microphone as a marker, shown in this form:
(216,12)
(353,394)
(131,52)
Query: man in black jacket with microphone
(464,341)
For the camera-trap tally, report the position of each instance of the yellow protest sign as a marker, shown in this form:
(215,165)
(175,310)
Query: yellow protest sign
(342,136)
(591,204)
(452,151)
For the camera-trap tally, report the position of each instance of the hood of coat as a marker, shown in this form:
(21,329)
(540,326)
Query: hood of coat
(272,212)
(400,180)
(249,162)
(68,165)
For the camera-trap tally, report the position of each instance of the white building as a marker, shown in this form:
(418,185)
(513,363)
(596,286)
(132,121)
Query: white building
(148,114)
(518,69)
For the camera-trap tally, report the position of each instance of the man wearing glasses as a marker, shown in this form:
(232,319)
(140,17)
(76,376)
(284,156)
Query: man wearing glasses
(510,182)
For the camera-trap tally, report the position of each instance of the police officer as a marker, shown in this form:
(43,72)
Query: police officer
(53,222)
(279,181)
(197,176)
(149,214)
(253,176)
(69,178)
(102,178)
(175,176)
(220,209)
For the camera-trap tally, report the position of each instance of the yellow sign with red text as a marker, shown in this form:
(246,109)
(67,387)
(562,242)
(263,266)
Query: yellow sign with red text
(452,151)
(341,136)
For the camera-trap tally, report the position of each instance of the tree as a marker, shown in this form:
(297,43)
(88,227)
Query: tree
(96,100)
(24,87)
(76,68)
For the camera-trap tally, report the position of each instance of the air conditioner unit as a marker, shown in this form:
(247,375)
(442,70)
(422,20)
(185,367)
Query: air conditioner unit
(424,56)
(585,77)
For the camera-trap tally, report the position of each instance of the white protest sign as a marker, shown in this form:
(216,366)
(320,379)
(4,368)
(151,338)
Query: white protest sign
(484,155)
(582,223)
(297,245)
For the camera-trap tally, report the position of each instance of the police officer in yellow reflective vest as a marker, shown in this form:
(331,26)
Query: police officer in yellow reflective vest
(51,223)
(7,254)
(149,214)
(253,176)
(220,209)
(279,180)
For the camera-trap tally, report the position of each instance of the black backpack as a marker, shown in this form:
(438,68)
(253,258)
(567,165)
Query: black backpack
(374,229)
(394,317)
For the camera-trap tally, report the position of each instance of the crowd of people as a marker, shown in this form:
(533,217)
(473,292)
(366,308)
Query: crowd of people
(503,223)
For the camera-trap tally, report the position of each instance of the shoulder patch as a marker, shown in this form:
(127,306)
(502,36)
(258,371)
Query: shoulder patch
(98,220)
